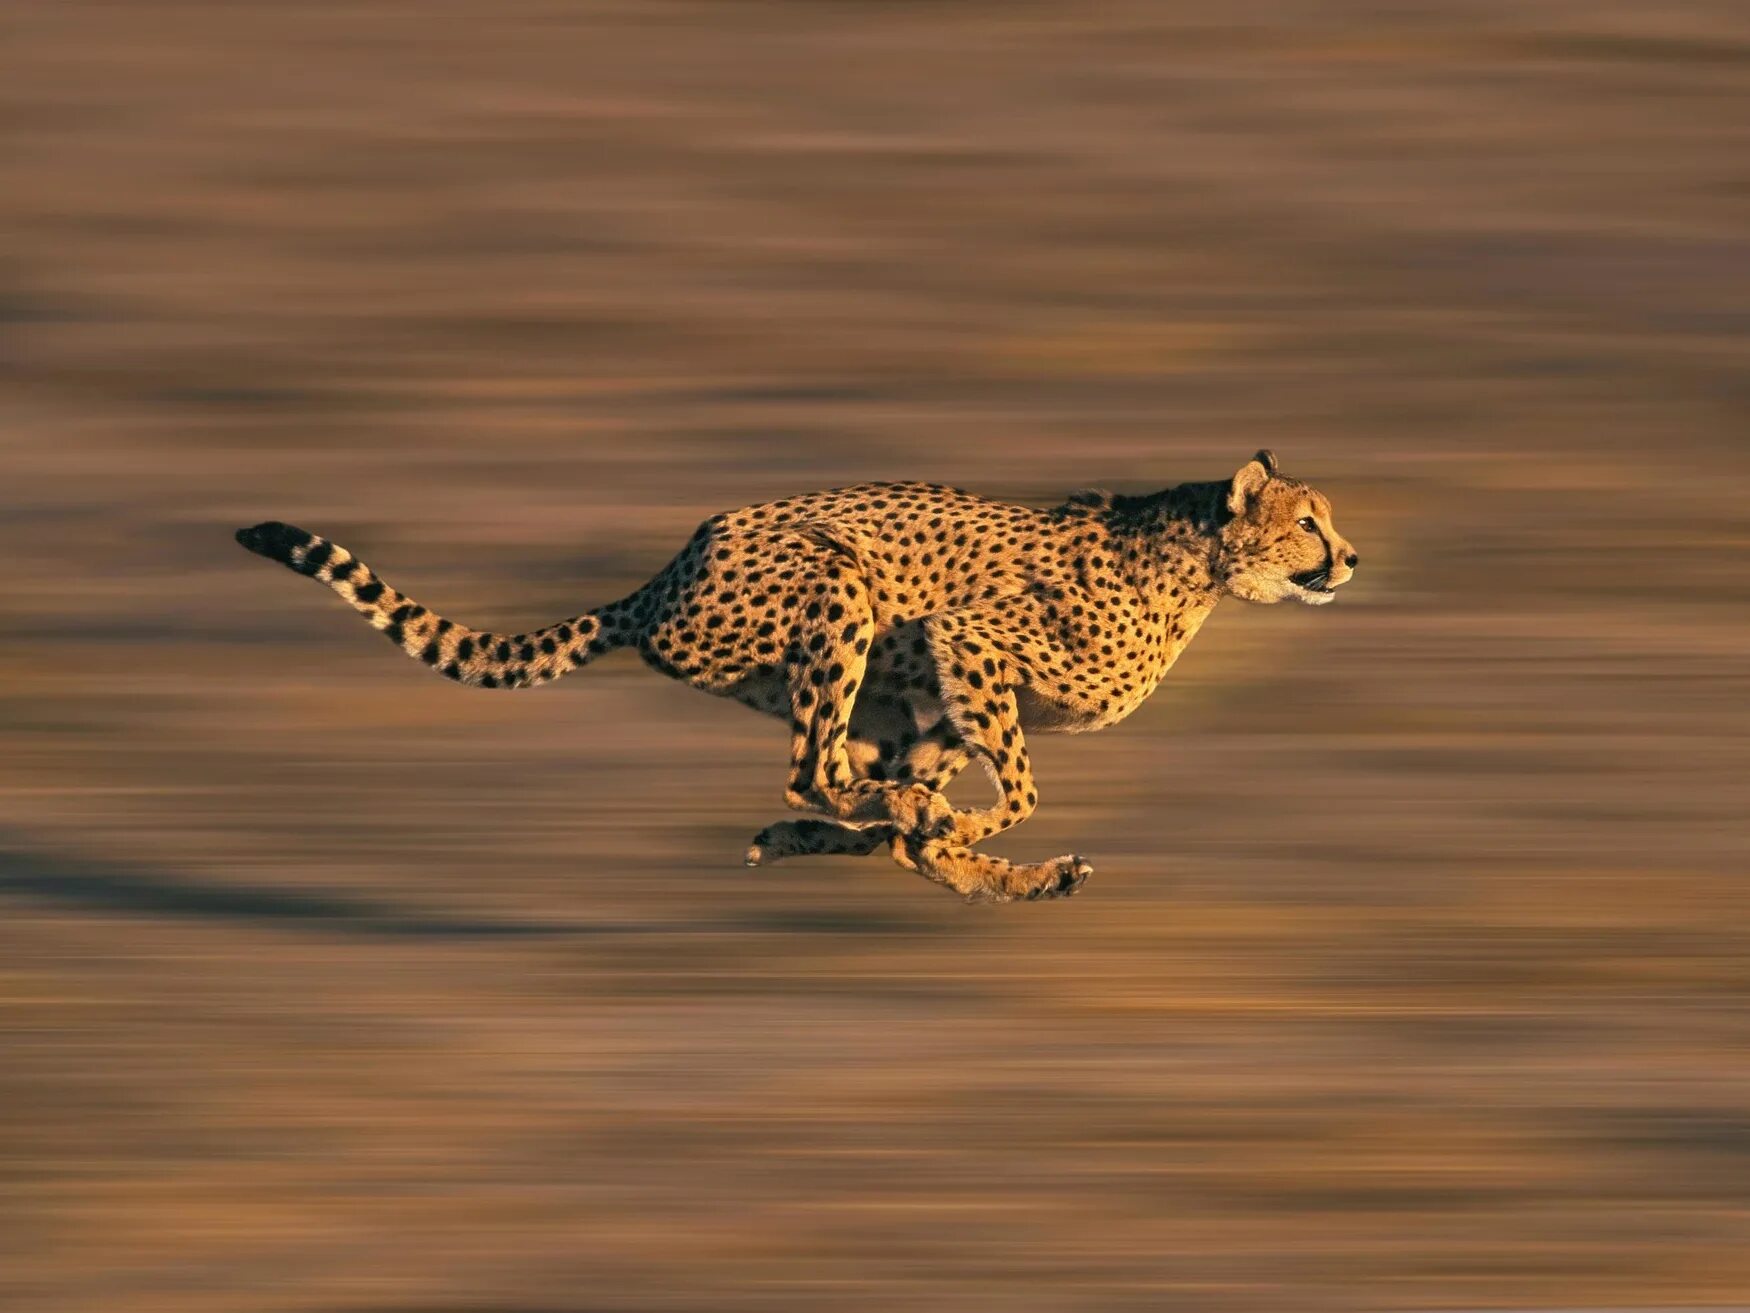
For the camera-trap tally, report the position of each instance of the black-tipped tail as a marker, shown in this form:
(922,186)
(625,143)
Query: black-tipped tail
(277,542)
(468,656)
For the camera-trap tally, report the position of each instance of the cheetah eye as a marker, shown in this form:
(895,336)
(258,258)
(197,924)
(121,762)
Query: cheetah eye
(1308,523)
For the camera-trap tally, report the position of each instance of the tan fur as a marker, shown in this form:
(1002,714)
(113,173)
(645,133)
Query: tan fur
(906,630)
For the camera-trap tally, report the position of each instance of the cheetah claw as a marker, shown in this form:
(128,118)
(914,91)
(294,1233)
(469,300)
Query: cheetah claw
(1073,873)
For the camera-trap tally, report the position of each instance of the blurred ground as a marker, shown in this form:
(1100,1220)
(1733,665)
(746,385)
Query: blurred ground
(1413,971)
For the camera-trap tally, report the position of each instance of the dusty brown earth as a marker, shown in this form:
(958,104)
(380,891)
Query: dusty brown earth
(1413,973)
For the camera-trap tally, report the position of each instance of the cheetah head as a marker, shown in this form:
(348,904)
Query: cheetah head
(1279,541)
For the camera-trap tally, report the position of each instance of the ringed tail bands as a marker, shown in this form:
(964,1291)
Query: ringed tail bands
(474,657)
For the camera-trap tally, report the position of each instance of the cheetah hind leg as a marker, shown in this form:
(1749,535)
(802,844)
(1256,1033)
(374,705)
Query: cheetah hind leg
(810,837)
(929,762)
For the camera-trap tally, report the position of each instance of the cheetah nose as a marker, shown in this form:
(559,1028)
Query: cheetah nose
(1351,560)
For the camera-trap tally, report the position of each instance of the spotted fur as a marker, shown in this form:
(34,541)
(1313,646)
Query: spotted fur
(905,630)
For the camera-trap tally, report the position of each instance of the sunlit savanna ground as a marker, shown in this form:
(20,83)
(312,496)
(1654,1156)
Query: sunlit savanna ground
(1413,973)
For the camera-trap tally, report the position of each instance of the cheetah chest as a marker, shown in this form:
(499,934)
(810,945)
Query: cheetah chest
(1101,685)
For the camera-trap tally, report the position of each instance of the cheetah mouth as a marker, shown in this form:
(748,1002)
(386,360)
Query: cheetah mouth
(1314,585)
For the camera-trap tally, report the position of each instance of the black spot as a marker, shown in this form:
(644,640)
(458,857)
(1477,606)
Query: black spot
(317,557)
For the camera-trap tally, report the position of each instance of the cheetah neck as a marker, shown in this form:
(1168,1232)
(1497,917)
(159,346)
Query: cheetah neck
(1169,542)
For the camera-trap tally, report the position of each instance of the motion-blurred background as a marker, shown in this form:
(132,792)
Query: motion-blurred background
(1413,973)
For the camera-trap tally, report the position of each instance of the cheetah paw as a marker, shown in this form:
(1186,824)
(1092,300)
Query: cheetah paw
(920,812)
(1064,875)
(1058,878)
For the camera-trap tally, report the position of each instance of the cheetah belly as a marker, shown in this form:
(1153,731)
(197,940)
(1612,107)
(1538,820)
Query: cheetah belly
(1044,715)
(1047,714)
(765,690)
(1081,711)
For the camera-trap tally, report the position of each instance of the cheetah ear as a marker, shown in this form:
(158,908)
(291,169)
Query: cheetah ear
(1250,481)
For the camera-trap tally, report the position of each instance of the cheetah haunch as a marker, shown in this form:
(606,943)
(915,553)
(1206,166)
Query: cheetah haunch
(904,630)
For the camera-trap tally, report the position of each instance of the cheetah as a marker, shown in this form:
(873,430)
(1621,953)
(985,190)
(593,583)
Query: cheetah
(904,631)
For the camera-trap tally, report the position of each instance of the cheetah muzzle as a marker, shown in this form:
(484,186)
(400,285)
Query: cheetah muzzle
(905,630)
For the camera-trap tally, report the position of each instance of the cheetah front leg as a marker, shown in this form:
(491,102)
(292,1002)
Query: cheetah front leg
(981,878)
(975,679)
(978,680)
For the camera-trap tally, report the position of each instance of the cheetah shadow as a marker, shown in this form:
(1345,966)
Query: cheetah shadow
(103,887)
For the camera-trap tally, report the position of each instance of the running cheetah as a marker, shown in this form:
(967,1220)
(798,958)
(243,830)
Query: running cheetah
(904,630)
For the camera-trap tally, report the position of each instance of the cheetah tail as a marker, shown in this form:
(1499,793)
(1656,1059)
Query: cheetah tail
(468,656)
